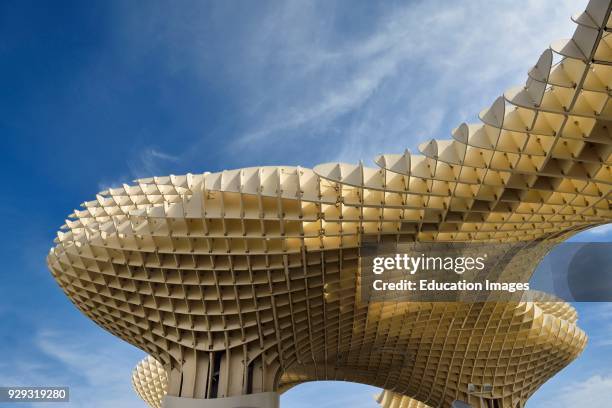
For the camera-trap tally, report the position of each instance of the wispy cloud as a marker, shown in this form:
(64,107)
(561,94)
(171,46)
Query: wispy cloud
(351,80)
(598,317)
(96,368)
(148,162)
(594,392)
(601,230)
(416,72)
(446,77)
(345,82)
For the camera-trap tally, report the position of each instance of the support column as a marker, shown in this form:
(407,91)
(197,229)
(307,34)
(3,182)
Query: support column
(259,400)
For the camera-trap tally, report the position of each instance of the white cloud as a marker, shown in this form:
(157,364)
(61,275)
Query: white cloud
(594,392)
(597,312)
(601,230)
(115,183)
(458,60)
(96,368)
(419,70)
(353,81)
(149,162)
(402,75)
(598,316)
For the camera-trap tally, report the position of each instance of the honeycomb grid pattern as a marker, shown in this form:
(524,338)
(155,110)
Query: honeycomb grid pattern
(247,281)
(388,399)
(149,373)
(150,381)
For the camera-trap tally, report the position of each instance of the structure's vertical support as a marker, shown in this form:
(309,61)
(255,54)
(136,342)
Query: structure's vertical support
(189,374)
(260,400)
(257,375)
(222,379)
(192,379)
(201,372)
(233,371)
(175,377)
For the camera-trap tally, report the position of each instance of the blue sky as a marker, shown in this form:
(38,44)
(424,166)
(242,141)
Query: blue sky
(95,94)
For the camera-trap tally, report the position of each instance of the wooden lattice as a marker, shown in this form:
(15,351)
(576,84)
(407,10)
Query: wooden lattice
(246,281)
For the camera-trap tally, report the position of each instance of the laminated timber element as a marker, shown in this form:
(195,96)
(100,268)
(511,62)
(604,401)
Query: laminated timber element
(150,381)
(388,399)
(245,281)
(537,341)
